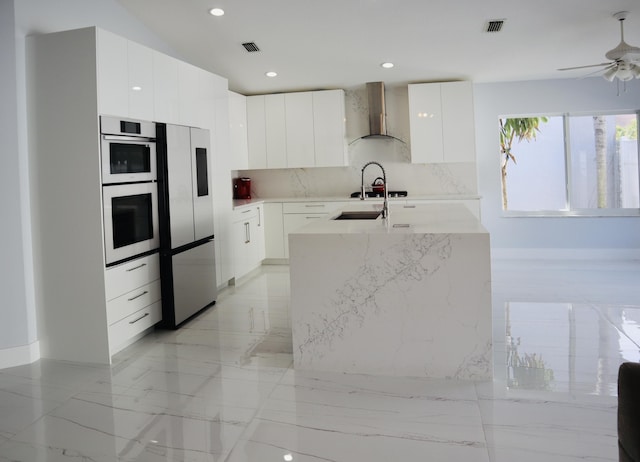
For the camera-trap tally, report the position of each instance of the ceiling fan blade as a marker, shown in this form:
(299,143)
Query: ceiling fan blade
(599,71)
(584,67)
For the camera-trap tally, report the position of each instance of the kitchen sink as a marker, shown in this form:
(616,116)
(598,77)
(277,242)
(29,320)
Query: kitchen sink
(359,215)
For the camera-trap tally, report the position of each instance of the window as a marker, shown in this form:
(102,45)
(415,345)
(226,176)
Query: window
(575,164)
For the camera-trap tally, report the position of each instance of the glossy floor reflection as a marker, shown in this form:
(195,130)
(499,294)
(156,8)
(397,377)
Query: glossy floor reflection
(222,388)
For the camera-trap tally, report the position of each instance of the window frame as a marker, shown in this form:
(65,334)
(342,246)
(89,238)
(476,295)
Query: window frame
(569,212)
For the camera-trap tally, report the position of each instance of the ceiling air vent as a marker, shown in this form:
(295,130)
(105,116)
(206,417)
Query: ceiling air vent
(494,25)
(250,47)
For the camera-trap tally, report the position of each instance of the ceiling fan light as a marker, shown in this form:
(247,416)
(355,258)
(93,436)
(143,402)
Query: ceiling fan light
(610,74)
(635,70)
(624,74)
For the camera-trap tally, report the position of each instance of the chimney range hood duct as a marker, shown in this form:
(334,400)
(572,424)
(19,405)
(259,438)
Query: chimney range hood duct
(377,113)
(377,109)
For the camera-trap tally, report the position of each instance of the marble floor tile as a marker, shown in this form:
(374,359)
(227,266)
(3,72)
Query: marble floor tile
(222,388)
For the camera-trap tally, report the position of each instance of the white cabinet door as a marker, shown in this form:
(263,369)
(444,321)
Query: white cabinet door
(207,99)
(458,124)
(276,131)
(113,79)
(140,82)
(165,88)
(299,129)
(256,132)
(240,248)
(273,230)
(248,243)
(188,89)
(329,129)
(441,121)
(259,235)
(425,123)
(238,131)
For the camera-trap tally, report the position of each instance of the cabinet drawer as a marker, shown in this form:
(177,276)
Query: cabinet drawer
(131,275)
(132,325)
(245,213)
(311,207)
(133,301)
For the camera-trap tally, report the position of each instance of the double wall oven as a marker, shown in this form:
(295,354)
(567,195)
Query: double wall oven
(129,188)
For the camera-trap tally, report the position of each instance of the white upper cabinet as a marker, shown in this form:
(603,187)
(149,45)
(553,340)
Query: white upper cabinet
(256,132)
(140,81)
(329,128)
(299,129)
(238,131)
(441,122)
(165,88)
(113,79)
(125,77)
(188,84)
(276,131)
(294,130)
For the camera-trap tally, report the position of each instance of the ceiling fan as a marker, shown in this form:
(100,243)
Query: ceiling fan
(624,59)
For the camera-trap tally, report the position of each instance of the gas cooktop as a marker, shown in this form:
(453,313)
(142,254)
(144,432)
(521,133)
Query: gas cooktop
(378,194)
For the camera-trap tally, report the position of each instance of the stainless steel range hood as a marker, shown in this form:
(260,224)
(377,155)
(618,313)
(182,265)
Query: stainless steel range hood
(377,115)
(377,111)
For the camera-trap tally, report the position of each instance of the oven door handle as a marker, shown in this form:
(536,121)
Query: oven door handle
(126,138)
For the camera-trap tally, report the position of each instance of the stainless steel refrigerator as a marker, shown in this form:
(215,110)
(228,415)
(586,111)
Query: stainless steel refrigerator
(187,255)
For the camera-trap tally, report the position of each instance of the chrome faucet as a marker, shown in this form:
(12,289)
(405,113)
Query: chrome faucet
(385,206)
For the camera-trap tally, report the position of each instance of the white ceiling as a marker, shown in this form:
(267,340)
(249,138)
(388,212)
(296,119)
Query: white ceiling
(323,44)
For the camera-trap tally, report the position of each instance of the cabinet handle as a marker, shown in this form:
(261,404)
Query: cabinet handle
(314,205)
(246,211)
(247,236)
(138,296)
(136,267)
(259,220)
(138,319)
(312,218)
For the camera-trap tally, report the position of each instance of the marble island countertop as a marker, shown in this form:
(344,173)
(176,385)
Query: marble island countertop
(403,219)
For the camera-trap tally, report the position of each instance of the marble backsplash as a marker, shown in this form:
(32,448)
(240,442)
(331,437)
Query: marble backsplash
(417,180)
(393,154)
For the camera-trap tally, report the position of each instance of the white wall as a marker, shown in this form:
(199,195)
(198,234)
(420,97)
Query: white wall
(19,18)
(17,308)
(538,97)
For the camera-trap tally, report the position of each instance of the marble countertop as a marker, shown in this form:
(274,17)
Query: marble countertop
(411,219)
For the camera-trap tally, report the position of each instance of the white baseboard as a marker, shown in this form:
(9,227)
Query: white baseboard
(17,356)
(565,254)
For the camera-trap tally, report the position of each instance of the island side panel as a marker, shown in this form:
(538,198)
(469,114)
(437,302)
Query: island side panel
(392,304)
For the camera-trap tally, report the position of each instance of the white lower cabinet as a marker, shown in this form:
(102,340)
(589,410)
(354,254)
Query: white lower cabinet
(133,300)
(273,231)
(248,239)
(127,330)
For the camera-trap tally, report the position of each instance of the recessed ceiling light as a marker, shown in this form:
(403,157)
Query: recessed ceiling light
(216,12)
(387,65)
(136,88)
(271,74)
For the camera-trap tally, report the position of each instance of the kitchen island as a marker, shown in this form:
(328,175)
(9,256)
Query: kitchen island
(409,295)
